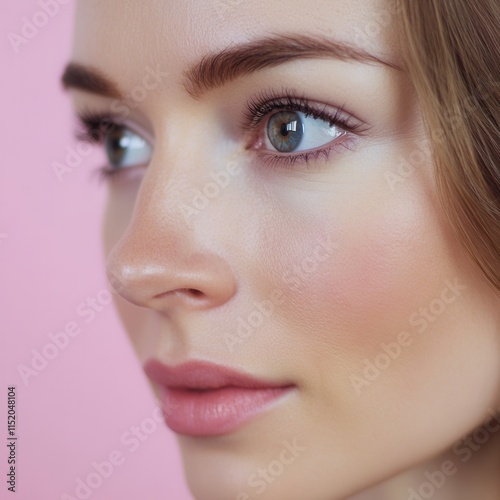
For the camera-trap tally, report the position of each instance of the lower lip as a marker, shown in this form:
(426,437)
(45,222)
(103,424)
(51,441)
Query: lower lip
(215,411)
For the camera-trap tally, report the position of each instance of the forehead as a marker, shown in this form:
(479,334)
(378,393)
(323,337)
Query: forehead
(125,36)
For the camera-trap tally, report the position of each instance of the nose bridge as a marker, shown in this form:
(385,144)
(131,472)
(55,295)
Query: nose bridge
(162,258)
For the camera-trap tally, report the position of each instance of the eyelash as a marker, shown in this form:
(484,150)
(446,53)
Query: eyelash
(269,101)
(88,130)
(257,110)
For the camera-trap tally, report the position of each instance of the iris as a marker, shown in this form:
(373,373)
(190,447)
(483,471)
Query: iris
(285,131)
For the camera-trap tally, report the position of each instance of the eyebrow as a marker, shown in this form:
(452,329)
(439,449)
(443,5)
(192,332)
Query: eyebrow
(217,69)
(78,76)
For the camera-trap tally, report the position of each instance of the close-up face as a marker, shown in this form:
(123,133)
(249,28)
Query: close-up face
(272,209)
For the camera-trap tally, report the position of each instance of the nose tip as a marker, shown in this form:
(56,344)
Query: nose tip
(164,278)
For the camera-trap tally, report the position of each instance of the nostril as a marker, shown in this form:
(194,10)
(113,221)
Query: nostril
(193,292)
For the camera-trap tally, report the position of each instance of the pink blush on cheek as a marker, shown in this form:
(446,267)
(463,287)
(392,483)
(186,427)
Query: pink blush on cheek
(365,291)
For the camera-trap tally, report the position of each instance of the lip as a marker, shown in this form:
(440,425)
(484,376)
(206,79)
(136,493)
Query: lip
(200,398)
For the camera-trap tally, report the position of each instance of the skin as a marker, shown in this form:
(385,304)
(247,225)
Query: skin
(389,256)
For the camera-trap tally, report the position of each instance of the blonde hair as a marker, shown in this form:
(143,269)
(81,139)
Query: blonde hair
(452,53)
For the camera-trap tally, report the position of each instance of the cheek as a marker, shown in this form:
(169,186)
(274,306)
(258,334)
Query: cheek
(385,261)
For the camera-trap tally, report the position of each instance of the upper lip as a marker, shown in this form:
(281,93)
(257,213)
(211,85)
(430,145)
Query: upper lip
(203,375)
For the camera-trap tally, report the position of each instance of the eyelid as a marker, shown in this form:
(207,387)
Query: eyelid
(88,119)
(267,101)
(263,105)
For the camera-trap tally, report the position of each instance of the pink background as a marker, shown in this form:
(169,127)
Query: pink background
(76,410)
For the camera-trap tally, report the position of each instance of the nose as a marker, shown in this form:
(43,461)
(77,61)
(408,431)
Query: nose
(162,263)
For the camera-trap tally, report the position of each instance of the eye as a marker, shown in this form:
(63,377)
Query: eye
(125,148)
(286,128)
(289,131)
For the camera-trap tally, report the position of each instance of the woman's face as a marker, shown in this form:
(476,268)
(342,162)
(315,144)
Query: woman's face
(338,276)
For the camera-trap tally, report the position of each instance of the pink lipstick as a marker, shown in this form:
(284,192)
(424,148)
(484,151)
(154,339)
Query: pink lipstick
(204,399)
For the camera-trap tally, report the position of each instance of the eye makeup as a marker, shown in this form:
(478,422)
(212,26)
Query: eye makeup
(259,116)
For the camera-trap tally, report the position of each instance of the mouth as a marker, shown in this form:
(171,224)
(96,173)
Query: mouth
(200,398)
